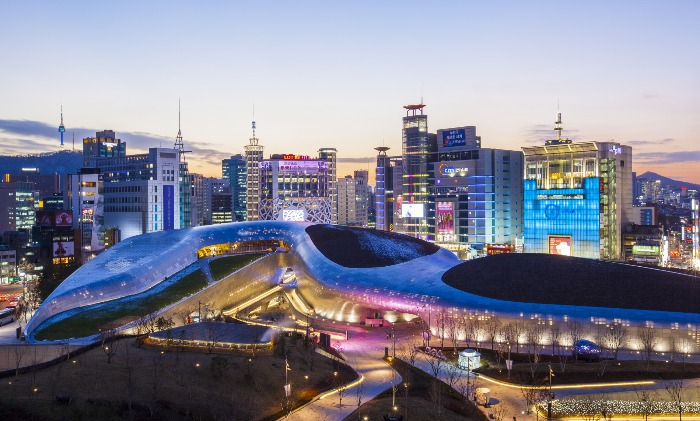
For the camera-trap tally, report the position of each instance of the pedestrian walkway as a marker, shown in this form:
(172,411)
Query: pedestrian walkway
(364,352)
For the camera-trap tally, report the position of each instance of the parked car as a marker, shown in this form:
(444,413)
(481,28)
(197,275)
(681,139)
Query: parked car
(12,304)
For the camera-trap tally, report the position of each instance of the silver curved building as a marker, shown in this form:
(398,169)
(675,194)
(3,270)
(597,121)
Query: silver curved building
(354,275)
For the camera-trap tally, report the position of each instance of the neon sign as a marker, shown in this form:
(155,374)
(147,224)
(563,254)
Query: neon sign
(292,157)
(616,150)
(451,171)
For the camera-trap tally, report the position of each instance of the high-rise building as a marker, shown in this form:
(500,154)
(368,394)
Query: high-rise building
(234,169)
(253,158)
(383,191)
(475,193)
(295,188)
(84,196)
(142,192)
(183,179)
(417,144)
(217,200)
(353,200)
(330,155)
(46,184)
(577,197)
(103,145)
(197,199)
(17,201)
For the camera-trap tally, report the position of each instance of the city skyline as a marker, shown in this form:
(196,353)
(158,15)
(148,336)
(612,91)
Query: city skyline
(337,76)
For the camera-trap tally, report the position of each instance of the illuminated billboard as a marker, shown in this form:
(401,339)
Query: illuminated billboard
(445,217)
(560,244)
(641,250)
(412,210)
(63,249)
(454,137)
(293,215)
(64,218)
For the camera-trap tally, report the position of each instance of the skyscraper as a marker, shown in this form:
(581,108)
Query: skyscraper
(253,157)
(183,178)
(234,169)
(417,144)
(330,155)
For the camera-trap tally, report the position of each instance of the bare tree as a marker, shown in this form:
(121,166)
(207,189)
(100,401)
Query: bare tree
(676,390)
(19,350)
(473,329)
(518,330)
(435,393)
(530,390)
(358,399)
(453,332)
(212,335)
(340,386)
(435,364)
(646,399)
(534,335)
(614,338)
(182,315)
(441,325)
(574,332)
(108,346)
(407,378)
(452,374)
(648,339)
(493,326)
(500,411)
(555,336)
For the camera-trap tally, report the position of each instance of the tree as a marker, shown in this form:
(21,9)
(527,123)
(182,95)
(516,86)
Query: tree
(108,347)
(435,393)
(473,329)
(340,386)
(493,326)
(555,336)
(676,390)
(646,399)
(18,351)
(358,399)
(441,324)
(535,335)
(500,411)
(574,332)
(435,364)
(648,339)
(614,338)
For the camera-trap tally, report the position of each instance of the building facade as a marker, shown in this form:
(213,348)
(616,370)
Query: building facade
(353,201)
(234,169)
(577,197)
(17,206)
(84,195)
(142,192)
(475,193)
(330,155)
(104,145)
(295,188)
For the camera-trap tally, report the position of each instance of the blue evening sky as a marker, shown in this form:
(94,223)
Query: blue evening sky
(336,74)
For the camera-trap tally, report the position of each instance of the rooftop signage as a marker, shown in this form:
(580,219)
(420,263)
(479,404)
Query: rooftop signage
(451,138)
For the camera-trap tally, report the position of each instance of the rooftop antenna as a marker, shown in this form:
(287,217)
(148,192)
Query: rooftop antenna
(73,140)
(179,145)
(557,126)
(61,128)
(253,140)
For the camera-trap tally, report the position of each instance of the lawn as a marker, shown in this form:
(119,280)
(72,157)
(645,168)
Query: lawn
(224,266)
(90,320)
(155,384)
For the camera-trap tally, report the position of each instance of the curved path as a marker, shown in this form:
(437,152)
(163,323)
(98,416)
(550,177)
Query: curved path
(364,353)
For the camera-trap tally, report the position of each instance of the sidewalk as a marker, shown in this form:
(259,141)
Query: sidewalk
(364,353)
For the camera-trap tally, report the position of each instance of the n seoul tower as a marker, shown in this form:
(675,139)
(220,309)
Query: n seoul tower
(61,128)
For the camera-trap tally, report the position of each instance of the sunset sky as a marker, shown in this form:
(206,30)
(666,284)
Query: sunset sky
(336,74)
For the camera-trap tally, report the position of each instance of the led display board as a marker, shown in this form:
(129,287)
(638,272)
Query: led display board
(64,218)
(641,250)
(560,244)
(451,138)
(168,208)
(63,249)
(412,210)
(445,217)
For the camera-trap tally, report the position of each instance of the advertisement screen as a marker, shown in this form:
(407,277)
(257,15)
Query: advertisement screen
(63,249)
(445,217)
(560,245)
(168,208)
(452,138)
(412,210)
(64,218)
(45,218)
(293,215)
(641,250)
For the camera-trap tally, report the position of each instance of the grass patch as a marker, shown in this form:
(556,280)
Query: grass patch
(224,266)
(145,384)
(88,321)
